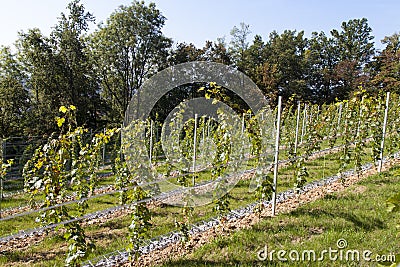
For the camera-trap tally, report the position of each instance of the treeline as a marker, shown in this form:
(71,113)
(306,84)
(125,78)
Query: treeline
(99,72)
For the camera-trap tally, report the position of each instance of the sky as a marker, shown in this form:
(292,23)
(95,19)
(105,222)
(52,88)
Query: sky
(195,21)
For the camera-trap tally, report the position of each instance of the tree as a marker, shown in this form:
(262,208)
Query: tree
(254,57)
(41,66)
(388,65)
(14,99)
(356,50)
(78,78)
(212,52)
(217,52)
(283,71)
(128,49)
(239,44)
(355,41)
(59,71)
(185,53)
(322,58)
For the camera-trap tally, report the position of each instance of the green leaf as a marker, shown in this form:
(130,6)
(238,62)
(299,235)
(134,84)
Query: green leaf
(389,263)
(67,235)
(393,203)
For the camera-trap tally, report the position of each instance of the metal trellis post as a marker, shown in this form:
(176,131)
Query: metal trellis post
(384,132)
(194,149)
(297,128)
(278,123)
(151,142)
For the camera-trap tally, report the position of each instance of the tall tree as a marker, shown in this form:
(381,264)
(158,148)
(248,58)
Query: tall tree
(356,50)
(129,48)
(283,72)
(355,41)
(59,71)
(79,82)
(217,52)
(239,44)
(387,65)
(322,58)
(14,99)
(42,67)
(254,58)
(185,53)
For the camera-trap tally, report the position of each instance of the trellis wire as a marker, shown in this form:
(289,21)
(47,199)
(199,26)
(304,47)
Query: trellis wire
(110,210)
(161,242)
(305,115)
(209,168)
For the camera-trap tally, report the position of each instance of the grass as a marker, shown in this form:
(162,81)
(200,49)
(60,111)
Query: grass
(112,234)
(357,215)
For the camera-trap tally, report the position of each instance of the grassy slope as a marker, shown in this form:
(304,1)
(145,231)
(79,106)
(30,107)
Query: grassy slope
(357,215)
(112,235)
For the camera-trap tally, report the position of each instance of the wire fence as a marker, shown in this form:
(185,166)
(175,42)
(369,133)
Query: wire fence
(20,149)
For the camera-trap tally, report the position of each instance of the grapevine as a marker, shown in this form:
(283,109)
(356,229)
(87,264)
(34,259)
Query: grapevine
(65,163)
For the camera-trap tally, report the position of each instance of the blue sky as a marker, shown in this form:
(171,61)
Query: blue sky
(201,20)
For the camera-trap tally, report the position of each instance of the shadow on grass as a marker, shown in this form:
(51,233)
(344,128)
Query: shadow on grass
(18,258)
(203,263)
(359,221)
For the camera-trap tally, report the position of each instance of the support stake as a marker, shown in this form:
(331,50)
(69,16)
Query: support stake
(194,149)
(278,123)
(384,132)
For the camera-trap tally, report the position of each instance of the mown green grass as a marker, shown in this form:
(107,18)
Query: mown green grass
(318,168)
(112,235)
(357,215)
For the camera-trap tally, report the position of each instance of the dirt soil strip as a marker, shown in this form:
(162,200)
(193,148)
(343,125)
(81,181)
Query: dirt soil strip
(26,240)
(110,188)
(177,250)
